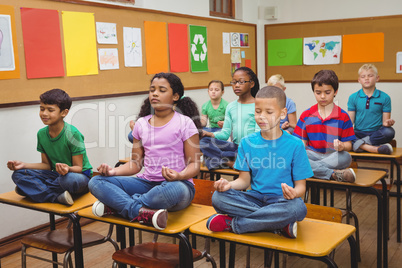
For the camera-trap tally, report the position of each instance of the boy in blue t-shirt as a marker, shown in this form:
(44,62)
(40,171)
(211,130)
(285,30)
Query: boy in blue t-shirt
(65,169)
(370,110)
(275,165)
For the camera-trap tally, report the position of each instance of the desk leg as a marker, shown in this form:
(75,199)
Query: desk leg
(398,200)
(186,252)
(222,253)
(79,256)
(232,254)
(353,251)
(380,222)
(52,223)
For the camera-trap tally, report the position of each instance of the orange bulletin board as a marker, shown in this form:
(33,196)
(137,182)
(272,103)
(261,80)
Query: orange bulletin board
(125,80)
(379,33)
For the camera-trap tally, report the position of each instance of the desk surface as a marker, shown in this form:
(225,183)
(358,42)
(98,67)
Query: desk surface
(396,154)
(12,198)
(178,221)
(364,178)
(314,237)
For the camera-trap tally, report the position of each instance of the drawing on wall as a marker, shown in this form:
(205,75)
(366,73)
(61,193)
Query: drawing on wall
(132,47)
(106,33)
(226,43)
(6,44)
(235,57)
(244,40)
(322,50)
(235,39)
(108,59)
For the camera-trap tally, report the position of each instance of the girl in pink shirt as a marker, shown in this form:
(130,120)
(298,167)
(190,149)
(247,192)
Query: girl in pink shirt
(166,145)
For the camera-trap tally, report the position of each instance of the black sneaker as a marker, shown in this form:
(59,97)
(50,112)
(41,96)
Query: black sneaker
(19,191)
(290,230)
(385,149)
(65,198)
(153,217)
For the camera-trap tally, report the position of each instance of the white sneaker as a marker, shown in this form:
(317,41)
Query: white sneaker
(99,209)
(66,199)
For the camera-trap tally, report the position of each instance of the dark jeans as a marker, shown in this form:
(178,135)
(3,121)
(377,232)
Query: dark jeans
(378,137)
(217,153)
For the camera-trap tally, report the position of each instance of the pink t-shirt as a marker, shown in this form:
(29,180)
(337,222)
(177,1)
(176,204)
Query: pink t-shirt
(163,146)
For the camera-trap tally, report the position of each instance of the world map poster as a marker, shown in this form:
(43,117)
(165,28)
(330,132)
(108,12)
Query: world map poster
(322,50)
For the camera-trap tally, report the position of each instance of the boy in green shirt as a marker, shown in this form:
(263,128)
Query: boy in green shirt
(65,168)
(215,108)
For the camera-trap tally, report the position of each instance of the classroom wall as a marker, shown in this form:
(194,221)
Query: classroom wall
(104,122)
(310,10)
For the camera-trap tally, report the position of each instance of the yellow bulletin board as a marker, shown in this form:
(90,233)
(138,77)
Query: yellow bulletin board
(388,26)
(125,80)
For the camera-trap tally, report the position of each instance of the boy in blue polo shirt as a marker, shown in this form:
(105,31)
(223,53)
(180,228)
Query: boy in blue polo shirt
(370,110)
(275,165)
(327,131)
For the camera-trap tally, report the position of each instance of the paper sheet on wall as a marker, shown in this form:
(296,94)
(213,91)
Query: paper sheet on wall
(226,43)
(235,39)
(244,39)
(106,33)
(178,47)
(322,50)
(235,58)
(156,50)
(198,48)
(108,59)
(9,60)
(80,43)
(132,47)
(399,62)
(42,43)
(363,48)
(283,52)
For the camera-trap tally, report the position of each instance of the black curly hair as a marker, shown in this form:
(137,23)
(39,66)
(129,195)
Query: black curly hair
(185,105)
(253,77)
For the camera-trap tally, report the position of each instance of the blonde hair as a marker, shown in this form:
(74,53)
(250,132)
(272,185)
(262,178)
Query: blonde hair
(275,79)
(367,67)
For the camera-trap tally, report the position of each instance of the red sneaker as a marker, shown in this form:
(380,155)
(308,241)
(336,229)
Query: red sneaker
(153,217)
(290,230)
(219,223)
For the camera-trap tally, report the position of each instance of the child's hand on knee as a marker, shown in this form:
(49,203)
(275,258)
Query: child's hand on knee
(338,145)
(106,170)
(288,192)
(170,174)
(62,168)
(222,185)
(15,165)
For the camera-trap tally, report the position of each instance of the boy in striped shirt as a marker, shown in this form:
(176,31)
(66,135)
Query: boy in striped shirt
(327,131)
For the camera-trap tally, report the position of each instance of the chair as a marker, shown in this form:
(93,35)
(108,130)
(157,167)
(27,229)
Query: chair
(61,241)
(155,254)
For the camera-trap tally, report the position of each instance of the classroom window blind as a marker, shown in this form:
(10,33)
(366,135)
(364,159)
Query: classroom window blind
(222,8)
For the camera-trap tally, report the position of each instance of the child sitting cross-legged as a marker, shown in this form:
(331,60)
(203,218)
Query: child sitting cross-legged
(275,165)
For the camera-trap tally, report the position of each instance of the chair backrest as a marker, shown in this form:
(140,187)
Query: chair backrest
(204,190)
(324,213)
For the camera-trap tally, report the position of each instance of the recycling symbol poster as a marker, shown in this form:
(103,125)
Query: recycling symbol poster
(198,48)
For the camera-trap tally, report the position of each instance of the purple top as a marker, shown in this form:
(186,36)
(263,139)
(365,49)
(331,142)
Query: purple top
(163,146)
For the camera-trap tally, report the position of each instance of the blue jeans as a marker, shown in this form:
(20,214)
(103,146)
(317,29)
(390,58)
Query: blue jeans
(127,195)
(323,165)
(378,137)
(217,152)
(212,129)
(46,185)
(255,212)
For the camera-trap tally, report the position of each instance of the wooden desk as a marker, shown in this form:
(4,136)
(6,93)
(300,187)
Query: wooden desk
(365,180)
(393,159)
(178,223)
(315,240)
(12,198)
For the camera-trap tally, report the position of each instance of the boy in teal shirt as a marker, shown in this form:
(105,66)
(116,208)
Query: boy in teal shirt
(65,168)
